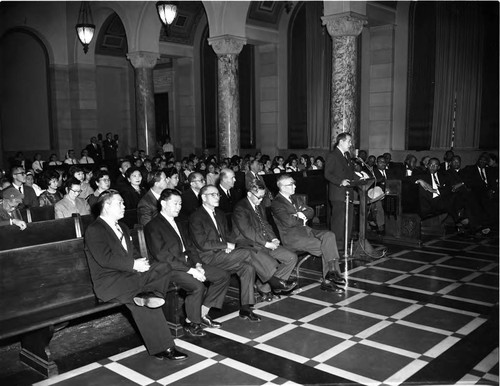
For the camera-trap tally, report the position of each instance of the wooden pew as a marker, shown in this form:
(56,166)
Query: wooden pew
(44,285)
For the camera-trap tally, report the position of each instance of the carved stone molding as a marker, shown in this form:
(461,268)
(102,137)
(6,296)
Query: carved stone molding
(346,24)
(227,44)
(143,59)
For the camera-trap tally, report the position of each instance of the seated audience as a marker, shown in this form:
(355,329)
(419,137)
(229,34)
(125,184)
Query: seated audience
(102,182)
(148,205)
(78,172)
(134,191)
(11,199)
(229,194)
(53,161)
(172,177)
(191,195)
(51,195)
(85,158)
(37,164)
(278,164)
(30,181)
(70,158)
(19,182)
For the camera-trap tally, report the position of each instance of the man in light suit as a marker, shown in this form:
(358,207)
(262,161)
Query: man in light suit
(291,217)
(168,241)
(148,205)
(251,227)
(339,172)
(119,274)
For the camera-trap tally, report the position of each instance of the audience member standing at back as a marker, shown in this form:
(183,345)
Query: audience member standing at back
(110,148)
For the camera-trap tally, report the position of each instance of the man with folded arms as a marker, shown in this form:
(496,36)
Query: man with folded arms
(291,218)
(250,226)
(168,241)
(120,275)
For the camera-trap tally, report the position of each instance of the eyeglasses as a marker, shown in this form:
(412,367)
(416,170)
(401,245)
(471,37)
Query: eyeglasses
(21,173)
(257,197)
(290,184)
(202,180)
(215,194)
(76,191)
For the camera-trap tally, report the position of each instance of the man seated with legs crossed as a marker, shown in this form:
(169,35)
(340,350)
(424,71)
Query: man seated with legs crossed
(119,274)
(291,218)
(168,241)
(251,227)
(208,227)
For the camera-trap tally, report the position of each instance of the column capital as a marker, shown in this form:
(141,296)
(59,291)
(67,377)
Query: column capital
(227,44)
(143,59)
(344,24)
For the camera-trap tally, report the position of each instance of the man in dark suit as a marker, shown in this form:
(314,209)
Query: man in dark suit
(169,242)
(119,274)
(148,205)
(436,195)
(291,217)
(213,239)
(446,164)
(251,227)
(229,194)
(30,199)
(253,174)
(10,199)
(110,147)
(191,196)
(339,172)
(94,150)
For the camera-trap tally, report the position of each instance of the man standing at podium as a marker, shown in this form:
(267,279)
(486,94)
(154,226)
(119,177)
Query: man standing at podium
(339,172)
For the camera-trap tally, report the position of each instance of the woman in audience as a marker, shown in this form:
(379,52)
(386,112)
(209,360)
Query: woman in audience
(133,192)
(51,195)
(212,175)
(291,164)
(266,165)
(30,181)
(319,162)
(102,182)
(278,164)
(79,174)
(172,177)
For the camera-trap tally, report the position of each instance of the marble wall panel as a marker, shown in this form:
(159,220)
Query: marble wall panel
(380,99)
(381,70)
(381,85)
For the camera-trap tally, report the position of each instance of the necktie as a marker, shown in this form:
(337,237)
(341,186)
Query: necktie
(217,227)
(228,194)
(434,177)
(383,174)
(176,229)
(346,156)
(122,236)
(86,160)
(21,189)
(483,175)
(261,221)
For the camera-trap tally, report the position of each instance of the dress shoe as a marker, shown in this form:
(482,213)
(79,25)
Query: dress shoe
(249,315)
(207,321)
(194,329)
(172,354)
(336,277)
(266,296)
(331,287)
(280,285)
(149,299)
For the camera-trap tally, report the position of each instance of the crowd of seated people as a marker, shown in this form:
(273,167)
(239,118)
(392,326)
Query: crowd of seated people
(469,195)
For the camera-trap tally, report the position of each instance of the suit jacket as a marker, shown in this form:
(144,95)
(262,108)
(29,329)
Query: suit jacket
(165,245)
(131,197)
(337,169)
(249,177)
(381,180)
(226,204)
(204,233)
(111,266)
(94,152)
(247,227)
(290,227)
(30,199)
(190,202)
(147,208)
(473,179)
(444,182)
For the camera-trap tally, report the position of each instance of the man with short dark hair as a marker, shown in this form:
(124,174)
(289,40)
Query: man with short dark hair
(191,196)
(169,242)
(94,150)
(148,205)
(110,147)
(253,174)
(251,227)
(120,274)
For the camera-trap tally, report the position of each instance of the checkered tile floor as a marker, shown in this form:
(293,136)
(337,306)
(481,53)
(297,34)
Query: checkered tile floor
(417,316)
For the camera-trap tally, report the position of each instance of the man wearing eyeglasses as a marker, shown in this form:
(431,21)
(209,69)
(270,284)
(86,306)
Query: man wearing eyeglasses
(71,203)
(291,218)
(191,196)
(251,227)
(211,235)
(19,182)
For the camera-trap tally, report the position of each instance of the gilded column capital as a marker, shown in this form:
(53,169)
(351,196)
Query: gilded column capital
(344,24)
(143,59)
(227,44)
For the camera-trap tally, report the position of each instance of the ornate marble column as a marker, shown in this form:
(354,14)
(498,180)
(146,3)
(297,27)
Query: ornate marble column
(143,63)
(344,28)
(227,48)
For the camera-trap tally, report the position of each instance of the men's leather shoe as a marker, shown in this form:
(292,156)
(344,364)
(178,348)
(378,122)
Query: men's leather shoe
(266,296)
(194,329)
(280,285)
(336,277)
(149,299)
(207,321)
(249,315)
(171,354)
(331,287)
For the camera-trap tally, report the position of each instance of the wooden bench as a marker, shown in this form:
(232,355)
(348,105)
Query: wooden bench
(44,285)
(41,232)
